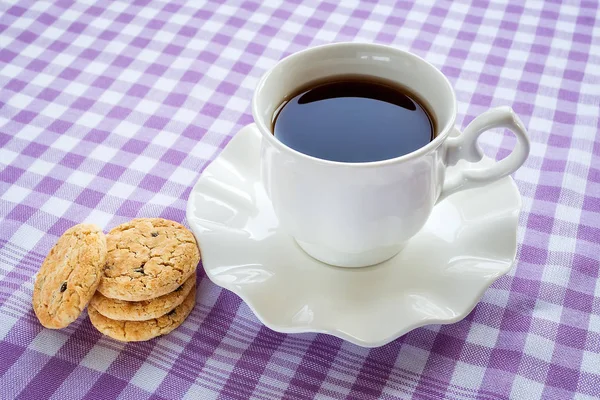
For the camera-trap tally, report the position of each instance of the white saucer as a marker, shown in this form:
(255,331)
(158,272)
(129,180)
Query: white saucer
(468,242)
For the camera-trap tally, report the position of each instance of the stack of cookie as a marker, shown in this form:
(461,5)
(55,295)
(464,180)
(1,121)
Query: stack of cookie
(144,273)
(149,283)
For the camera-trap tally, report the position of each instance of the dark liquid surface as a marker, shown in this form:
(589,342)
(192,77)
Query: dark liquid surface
(354,120)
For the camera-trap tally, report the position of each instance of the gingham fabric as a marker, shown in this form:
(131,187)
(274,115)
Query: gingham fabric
(111,110)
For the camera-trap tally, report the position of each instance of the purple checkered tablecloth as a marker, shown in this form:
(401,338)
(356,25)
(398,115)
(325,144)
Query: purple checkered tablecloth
(111,109)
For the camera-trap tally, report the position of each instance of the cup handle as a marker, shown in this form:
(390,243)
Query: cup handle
(465,147)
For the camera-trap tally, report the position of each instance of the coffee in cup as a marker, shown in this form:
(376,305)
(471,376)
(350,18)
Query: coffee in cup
(354,119)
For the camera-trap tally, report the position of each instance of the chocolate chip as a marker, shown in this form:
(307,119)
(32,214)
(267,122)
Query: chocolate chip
(154,234)
(172,312)
(140,269)
(63,287)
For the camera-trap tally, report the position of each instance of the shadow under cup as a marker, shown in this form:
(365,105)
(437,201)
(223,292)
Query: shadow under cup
(352,214)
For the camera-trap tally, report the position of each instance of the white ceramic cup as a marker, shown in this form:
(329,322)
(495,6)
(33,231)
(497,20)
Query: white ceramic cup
(360,214)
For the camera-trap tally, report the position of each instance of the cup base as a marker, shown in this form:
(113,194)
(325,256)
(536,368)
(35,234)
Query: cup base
(350,260)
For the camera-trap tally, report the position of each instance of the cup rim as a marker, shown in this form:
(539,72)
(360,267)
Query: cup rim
(266,131)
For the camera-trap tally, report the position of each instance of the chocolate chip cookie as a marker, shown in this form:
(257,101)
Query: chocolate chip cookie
(69,276)
(135,331)
(147,258)
(122,310)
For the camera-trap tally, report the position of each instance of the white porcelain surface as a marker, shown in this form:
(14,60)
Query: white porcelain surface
(468,241)
(358,214)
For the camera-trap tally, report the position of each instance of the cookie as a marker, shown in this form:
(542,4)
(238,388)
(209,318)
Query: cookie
(69,276)
(122,310)
(147,258)
(136,331)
